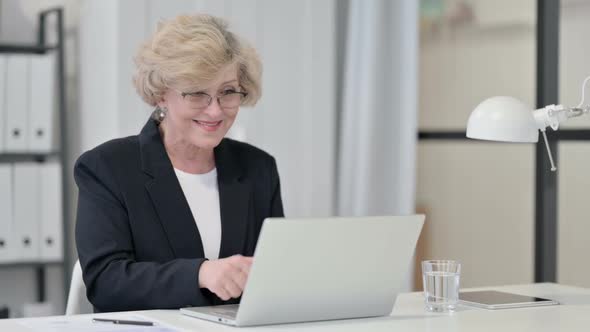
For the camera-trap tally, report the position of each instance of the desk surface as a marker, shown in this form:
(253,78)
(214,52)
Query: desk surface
(409,315)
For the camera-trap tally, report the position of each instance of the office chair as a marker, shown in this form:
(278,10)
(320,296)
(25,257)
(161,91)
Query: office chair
(77,301)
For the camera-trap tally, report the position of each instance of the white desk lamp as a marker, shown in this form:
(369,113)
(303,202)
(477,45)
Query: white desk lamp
(508,119)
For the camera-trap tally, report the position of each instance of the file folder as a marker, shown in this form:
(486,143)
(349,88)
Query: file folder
(6,203)
(42,108)
(51,246)
(26,211)
(2,103)
(16,107)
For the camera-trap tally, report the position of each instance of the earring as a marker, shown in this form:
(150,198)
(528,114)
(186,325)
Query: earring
(159,113)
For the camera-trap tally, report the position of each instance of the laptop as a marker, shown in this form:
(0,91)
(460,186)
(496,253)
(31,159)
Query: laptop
(315,269)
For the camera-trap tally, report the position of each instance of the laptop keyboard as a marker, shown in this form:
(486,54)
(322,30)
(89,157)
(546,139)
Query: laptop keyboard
(229,311)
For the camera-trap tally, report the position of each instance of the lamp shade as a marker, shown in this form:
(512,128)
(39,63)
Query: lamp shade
(502,118)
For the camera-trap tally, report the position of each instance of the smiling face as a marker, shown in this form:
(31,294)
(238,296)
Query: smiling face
(188,122)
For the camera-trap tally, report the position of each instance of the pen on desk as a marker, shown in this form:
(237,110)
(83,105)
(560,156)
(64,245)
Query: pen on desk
(123,321)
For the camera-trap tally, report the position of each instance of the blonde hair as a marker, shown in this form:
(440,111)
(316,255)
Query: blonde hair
(188,52)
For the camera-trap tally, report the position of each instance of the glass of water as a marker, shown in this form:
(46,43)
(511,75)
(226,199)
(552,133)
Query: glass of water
(441,284)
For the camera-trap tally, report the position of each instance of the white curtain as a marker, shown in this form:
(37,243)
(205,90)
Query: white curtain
(378,117)
(377,137)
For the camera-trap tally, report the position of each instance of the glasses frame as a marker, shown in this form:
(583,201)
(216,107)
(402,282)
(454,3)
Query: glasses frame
(217,96)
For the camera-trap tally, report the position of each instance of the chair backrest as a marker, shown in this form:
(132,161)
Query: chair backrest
(77,301)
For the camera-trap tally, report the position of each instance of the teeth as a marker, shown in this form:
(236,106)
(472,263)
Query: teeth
(208,124)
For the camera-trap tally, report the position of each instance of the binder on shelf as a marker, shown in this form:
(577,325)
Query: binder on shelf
(41,131)
(16,106)
(2,104)
(51,246)
(26,211)
(6,203)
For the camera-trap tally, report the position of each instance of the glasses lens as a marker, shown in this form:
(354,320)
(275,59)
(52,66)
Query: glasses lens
(231,100)
(198,101)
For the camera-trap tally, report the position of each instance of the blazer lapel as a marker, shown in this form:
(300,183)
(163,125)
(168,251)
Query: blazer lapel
(234,200)
(167,195)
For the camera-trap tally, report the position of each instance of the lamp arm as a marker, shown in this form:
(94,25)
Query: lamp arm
(552,116)
(553,167)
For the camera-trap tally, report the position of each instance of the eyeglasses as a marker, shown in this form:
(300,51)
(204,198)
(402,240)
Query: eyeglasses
(229,99)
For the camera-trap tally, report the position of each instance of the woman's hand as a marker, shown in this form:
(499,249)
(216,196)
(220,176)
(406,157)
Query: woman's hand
(225,277)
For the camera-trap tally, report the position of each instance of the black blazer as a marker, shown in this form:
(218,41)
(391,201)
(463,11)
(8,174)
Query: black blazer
(137,241)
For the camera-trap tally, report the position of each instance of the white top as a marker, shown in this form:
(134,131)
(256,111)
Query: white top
(202,193)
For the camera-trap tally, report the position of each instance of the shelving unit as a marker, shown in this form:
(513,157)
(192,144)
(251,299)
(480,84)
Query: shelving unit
(41,47)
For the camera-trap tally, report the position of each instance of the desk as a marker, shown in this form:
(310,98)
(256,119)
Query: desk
(409,315)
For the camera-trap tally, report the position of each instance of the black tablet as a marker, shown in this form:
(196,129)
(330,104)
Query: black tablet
(501,300)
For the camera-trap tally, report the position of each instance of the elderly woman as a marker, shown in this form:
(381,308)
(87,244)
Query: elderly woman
(170,218)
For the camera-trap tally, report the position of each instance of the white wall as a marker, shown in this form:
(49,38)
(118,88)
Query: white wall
(479,203)
(460,70)
(574,157)
(294,119)
(574,66)
(478,197)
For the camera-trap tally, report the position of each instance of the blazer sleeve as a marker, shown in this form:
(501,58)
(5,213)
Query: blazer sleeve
(115,281)
(276,202)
